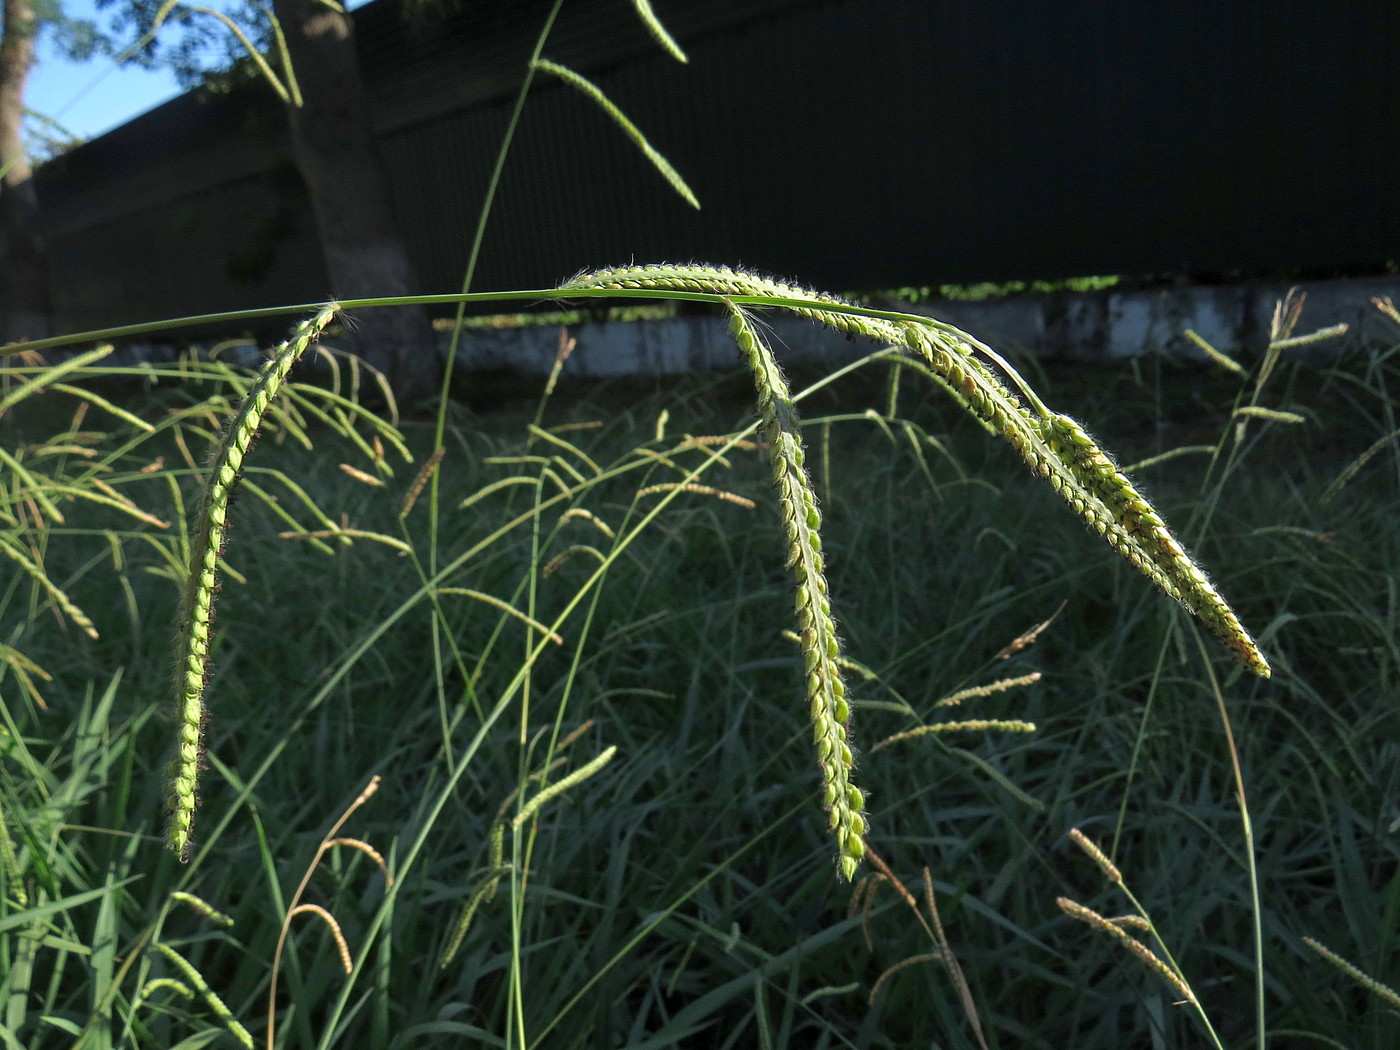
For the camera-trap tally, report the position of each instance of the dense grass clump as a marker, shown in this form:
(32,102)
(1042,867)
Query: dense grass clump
(565,660)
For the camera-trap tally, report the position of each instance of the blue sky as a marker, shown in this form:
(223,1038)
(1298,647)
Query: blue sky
(90,98)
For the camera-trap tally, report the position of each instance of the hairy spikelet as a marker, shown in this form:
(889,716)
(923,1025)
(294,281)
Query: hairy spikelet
(1225,361)
(485,891)
(426,471)
(1098,856)
(699,490)
(1088,916)
(968,725)
(211,998)
(1001,685)
(821,652)
(341,946)
(160,984)
(1135,529)
(1375,987)
(724,280)
(1086,477)
(197,608)
(202,906)
(361,846)
(562,785)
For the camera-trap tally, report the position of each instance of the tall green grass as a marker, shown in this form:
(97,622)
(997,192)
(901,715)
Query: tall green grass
(683,894)
(506,733)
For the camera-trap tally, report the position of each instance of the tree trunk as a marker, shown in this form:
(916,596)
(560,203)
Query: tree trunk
(24,280)
(333,147)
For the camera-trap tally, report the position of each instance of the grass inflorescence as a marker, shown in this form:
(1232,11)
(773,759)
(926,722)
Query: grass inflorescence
(827,703)
(1055,446)
(201,587)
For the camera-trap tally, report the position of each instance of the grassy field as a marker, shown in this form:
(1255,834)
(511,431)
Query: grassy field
(495,639)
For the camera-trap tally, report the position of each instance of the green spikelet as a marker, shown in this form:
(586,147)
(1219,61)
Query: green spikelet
(821,651)
(196,979)
(1149,539)
(197,608)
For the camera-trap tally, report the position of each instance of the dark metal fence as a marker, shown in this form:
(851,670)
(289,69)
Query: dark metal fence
(856,144)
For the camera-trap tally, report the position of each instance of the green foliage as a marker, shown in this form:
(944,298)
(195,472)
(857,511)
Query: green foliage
(684,887)
(985,290)
(520,730)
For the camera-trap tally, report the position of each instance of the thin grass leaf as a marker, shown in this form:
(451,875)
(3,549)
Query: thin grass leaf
(568,446)
(35,487)
(65,603)
(52,374)
(588,88)
(657,30)
(106,405)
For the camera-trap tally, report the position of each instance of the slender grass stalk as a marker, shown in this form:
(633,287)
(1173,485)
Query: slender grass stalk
(592,92)
(1256,902)
(469,272)
(296,907)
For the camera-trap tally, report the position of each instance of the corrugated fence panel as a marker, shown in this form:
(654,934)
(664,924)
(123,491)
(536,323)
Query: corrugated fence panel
(864,143)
